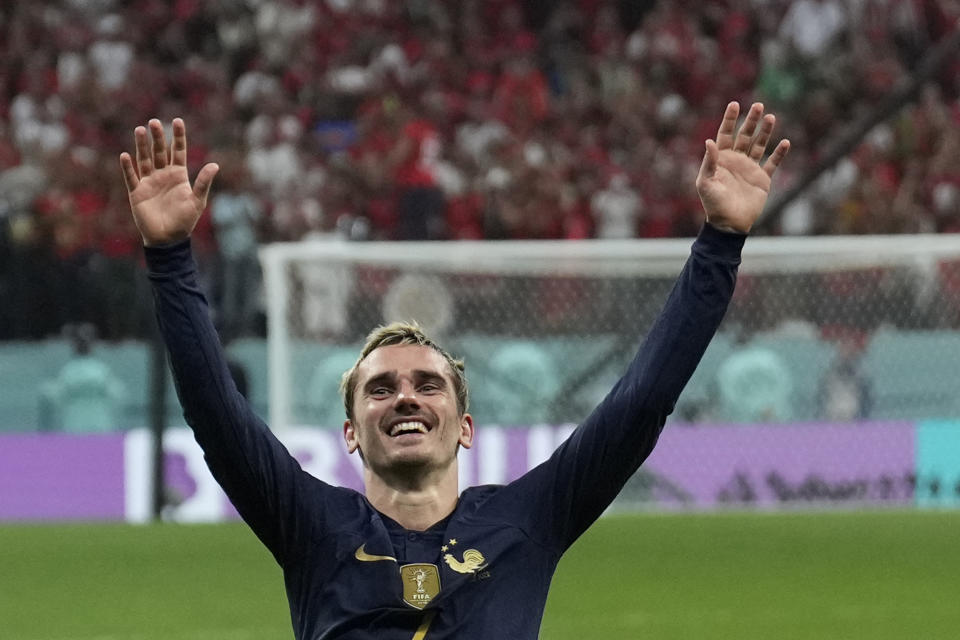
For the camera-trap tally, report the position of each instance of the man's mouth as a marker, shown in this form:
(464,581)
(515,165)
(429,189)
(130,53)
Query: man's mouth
(410,426)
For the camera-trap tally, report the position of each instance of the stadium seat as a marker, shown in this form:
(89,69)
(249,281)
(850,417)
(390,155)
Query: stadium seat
(24,366)
(516,384)
(755,385)
(251,354)
(131,362)
(808,358)
(28,368)
(700,392)
(913,374)
(318,395)
(84,397)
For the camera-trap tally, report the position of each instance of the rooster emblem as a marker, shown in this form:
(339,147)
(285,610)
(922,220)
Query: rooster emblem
(472,561)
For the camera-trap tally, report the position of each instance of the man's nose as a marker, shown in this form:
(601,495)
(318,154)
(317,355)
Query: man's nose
(407,395)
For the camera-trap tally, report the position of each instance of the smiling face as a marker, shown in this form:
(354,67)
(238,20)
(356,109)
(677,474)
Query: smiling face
(405,415)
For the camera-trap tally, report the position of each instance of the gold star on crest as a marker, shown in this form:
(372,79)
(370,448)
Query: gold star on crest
(444,548)
(453,542)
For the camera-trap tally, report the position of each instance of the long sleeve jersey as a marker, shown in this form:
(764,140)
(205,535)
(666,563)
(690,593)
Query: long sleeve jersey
(484,571)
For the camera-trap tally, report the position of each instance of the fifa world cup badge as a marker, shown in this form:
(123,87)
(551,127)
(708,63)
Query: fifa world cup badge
(421,584)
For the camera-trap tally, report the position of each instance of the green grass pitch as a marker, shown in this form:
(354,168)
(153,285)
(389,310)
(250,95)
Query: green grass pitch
(837,575)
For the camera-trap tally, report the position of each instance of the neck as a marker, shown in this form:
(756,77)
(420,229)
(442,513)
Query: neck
(415,501)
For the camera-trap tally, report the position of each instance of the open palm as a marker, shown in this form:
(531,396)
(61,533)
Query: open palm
(732,184)
(165,207)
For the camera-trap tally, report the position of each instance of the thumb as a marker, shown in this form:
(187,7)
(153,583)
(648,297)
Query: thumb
(201,186)
(709,165)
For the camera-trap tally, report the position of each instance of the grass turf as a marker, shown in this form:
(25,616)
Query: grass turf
(870,575)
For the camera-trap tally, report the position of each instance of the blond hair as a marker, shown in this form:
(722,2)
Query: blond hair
(403,333)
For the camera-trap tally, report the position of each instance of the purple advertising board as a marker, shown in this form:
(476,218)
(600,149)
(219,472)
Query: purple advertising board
(70,477)
(59,476)
(785,465)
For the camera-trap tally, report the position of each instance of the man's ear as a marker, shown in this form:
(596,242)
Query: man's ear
(466,431)
(350,436)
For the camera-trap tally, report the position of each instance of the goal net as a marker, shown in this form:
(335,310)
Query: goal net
(829,333)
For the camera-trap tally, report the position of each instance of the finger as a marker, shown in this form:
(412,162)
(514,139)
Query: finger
(144,157)
(178,155)
(759,144)
(129,173)
(745,135)
(709,165)
(728,126)
(770,166)
(159,144)
(201,186)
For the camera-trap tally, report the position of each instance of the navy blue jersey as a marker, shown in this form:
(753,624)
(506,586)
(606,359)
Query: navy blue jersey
(482,572)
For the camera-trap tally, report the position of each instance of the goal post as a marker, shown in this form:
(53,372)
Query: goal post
(547,326)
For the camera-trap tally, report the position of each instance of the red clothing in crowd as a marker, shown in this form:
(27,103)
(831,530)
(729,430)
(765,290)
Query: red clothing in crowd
(521,100)
(416,169)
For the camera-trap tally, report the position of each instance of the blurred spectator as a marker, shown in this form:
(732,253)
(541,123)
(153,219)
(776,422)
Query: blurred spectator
(37,113)
(85,396)
(459,119)
(415,156)
(236,215)
(273,158)
(779,82)
(111,54)
(811,26)
(616,209)
(844,393)
(117,272)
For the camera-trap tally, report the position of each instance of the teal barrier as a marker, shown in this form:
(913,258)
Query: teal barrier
(911,375)
(938,463)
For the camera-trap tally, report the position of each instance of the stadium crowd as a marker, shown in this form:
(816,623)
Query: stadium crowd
(440,119)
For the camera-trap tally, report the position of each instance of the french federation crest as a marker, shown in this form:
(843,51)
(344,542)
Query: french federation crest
(421,584)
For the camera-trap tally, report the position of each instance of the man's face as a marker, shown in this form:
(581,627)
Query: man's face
(405,415)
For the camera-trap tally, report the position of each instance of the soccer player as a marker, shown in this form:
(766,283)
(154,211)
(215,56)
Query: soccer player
(410,558)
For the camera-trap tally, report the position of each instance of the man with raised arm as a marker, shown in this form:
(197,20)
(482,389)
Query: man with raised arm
(410,558)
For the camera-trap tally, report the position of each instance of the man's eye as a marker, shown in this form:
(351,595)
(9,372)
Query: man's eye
(380,391)
(429,387)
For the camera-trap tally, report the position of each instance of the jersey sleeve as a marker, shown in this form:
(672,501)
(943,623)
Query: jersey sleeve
(264,482)
(559,499)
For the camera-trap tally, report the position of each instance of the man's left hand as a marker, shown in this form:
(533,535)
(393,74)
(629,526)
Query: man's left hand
(733,185)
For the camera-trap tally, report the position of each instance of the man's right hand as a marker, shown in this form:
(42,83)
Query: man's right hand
(164,205)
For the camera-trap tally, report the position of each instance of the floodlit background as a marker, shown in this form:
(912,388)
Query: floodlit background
(807,483)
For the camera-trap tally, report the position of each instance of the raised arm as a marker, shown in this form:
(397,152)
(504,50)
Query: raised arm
(258,474)
(587,471)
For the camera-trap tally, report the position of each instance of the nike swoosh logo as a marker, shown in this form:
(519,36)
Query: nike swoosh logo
(363,556)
